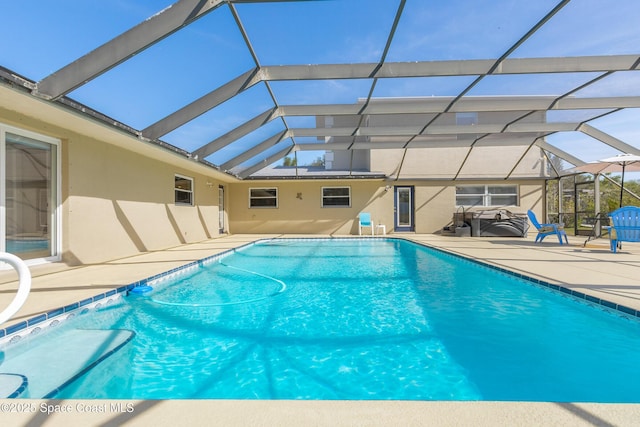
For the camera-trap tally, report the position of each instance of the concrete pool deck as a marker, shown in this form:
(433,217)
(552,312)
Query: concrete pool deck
(593,270)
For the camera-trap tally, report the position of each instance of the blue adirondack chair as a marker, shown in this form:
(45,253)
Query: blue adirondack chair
(546,229)
(625,226)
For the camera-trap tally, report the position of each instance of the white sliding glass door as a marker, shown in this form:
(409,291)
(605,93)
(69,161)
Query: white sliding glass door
(29,194)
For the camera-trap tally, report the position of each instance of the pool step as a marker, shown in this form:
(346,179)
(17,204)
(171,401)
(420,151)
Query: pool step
(54,360)
(13,385)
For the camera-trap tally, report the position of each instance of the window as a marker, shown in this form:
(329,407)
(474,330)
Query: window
(486,195)
(263,197)
(183,190)
(336,197)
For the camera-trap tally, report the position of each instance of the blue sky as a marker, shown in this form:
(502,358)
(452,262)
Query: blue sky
(41,36)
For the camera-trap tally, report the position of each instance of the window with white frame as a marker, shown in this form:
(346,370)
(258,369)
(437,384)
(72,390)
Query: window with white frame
(263,197)
(486,195)
(336,197)
(183,190)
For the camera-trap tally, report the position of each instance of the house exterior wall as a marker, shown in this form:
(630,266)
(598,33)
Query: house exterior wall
(435,205)
(117,202)
(302,214)
(120,203)
(118,193)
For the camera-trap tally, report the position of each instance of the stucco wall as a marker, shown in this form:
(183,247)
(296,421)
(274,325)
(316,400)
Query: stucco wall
(119,203)
(434,206)
(300,215)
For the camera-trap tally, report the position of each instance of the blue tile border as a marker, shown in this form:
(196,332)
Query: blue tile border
(14,328)
(56,312)
(71,307)
(120,290)
(37,319)
(198,263)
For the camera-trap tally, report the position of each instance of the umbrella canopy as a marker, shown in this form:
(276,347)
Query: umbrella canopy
(619,163)
(629,162)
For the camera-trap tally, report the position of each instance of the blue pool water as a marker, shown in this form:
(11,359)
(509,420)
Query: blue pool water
(361,319)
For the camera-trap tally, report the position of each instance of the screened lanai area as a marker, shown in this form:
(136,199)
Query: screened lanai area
(259,95)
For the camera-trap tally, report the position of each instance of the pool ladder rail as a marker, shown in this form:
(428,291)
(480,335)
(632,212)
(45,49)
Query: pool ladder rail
(14,385)
(24,277)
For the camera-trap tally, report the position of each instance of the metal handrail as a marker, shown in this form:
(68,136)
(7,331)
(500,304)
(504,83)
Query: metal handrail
(24,277)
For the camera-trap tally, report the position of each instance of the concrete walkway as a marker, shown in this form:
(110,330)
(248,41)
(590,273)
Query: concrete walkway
(593,270)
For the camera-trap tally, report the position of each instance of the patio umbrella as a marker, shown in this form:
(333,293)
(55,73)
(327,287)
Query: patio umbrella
(619,163)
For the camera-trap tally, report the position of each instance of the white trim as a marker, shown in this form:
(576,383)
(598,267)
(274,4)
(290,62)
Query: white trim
(3,189)
(191,192)
(221,209)
(56,211)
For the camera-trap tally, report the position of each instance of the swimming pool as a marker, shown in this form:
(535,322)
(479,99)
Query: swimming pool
(346,319)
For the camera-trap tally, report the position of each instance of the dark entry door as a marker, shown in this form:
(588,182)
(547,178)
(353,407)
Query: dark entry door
(404,208)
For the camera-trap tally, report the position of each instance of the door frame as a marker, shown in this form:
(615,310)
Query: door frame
(396,223)
(221,208)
